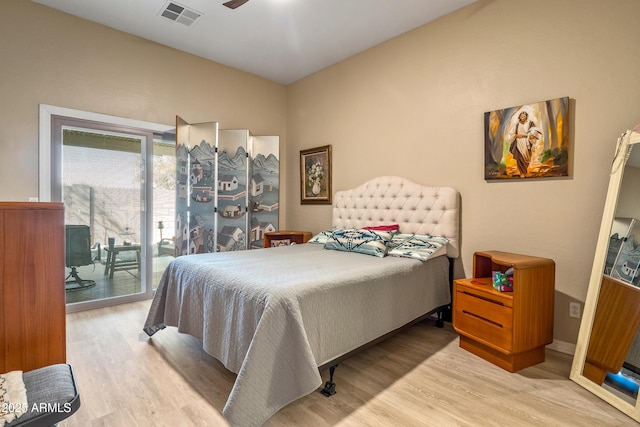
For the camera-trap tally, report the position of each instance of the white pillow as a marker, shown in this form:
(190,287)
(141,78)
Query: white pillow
(417,246)
(322,236)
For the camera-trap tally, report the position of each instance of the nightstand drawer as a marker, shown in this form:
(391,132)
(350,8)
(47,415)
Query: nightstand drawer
(484,319)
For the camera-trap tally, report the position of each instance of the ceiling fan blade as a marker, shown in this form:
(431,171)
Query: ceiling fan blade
(232,4)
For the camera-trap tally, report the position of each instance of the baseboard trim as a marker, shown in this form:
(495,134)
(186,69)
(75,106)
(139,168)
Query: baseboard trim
(562,347)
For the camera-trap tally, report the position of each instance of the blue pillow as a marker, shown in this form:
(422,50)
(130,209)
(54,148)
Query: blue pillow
(322,236)
(417,246)
(368,242)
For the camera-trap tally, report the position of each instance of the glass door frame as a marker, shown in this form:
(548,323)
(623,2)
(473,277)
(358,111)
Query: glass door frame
(51,120)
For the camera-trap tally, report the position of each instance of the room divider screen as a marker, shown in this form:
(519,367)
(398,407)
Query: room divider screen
(227,189)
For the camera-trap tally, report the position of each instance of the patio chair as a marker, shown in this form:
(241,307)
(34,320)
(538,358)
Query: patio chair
(78,253)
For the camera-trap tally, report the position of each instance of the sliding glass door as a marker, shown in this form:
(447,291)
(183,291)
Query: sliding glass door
(119,240)
(103,193)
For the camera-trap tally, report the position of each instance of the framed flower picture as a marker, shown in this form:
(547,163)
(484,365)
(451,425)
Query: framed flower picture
(315,175)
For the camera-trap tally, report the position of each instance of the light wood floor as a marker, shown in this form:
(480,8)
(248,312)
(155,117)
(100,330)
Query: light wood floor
(418,378)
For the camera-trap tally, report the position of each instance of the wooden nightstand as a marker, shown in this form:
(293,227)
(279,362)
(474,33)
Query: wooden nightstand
(292,236)
(509,329)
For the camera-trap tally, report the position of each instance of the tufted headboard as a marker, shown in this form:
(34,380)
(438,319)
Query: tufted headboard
(395,200)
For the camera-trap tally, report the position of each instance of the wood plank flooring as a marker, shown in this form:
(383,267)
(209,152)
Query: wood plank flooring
(418,378)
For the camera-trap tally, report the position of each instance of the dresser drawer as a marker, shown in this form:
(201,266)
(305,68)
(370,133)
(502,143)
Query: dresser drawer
(483,318)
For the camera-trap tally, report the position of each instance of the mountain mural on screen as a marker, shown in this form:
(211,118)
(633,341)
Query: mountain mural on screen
(269,163)
(246,189)
(232,163)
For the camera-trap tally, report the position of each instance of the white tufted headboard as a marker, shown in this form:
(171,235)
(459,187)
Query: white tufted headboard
(395,200)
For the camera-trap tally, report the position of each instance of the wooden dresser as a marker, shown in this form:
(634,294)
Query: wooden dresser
(509,329)
(32,285)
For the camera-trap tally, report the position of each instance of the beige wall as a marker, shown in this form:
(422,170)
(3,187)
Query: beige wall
(414,107)
(49,57)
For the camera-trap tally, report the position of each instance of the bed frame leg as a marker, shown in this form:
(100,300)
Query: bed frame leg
(439,321)
(330,387)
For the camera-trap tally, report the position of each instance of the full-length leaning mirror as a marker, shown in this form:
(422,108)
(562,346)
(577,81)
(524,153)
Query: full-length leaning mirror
(607,357)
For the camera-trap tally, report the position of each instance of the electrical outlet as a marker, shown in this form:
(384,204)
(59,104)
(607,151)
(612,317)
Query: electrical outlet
(33,199)
(574,309)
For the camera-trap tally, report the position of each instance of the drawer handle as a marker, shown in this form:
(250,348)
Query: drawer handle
(483,298)
(482,318)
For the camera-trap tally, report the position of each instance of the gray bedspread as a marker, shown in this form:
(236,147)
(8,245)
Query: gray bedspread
(274,315)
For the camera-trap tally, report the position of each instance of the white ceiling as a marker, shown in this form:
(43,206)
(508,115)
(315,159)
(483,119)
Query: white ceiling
(281,40)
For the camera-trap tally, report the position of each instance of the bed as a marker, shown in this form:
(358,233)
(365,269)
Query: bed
(276,317)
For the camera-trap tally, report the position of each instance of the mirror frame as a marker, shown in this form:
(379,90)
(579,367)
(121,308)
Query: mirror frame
(623,149)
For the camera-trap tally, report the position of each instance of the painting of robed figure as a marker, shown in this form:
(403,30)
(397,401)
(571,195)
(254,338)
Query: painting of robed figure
(527,141)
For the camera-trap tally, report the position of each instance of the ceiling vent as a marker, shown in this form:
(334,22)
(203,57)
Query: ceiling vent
(179,13)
